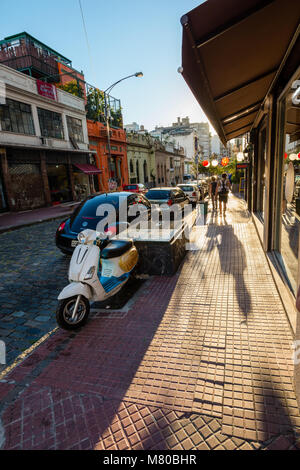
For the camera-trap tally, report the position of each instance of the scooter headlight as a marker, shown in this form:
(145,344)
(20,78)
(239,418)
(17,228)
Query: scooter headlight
(81,237)
(90,273)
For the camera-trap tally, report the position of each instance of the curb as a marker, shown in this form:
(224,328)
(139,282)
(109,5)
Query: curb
(11,228)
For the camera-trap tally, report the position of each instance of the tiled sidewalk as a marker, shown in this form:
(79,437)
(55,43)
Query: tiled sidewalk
(200,360)
(14,220)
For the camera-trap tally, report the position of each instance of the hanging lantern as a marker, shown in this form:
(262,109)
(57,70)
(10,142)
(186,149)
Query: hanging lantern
(214,163)
(225,161)
(298,155)
(240,157)
(293,156)
(205,163)
(285,155)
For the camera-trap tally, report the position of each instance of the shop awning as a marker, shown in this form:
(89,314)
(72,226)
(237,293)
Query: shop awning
(232,52)
(87,168)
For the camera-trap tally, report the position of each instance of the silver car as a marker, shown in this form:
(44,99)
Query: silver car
(191,191)
(166,197)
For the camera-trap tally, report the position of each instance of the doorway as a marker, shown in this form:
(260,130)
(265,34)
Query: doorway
(3,203)
(261,177)
(59,184)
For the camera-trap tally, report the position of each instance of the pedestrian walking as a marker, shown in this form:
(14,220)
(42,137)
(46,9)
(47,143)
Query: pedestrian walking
(223,188)
(213,193)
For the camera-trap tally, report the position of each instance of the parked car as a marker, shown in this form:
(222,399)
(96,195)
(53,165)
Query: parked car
(204,183)
(167,197)
(191,191)
(135,188)
(201,188)
(85,216)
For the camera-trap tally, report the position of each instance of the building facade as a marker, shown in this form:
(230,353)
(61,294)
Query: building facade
(169,163)
(45,156)
(204,137)
(33,58)
(194,138)
(111,158)
(152,162)
(141,158)
(264,101)
(181,137)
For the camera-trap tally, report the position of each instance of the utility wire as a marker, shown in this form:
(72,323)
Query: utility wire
(87,41)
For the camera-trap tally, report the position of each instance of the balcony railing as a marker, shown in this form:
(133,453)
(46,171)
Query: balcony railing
(26,56)
(94,101)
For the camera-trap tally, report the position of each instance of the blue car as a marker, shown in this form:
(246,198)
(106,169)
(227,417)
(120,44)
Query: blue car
(85,217)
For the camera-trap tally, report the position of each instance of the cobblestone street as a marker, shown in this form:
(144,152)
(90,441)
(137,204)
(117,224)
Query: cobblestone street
(199,360)
(32,272)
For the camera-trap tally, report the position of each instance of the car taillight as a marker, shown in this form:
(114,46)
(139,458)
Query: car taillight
(61,227)
(170,202)
(194,194)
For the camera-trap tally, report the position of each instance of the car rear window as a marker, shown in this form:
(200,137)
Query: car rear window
(187,188)
(130,187)
(160,194)
(85,215)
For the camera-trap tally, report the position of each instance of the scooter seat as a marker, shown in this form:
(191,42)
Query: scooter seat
(116,248)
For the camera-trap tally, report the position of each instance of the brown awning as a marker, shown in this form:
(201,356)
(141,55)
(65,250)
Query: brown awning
(232,51)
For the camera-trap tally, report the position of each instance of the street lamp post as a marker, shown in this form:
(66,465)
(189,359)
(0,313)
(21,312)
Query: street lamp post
(107,110)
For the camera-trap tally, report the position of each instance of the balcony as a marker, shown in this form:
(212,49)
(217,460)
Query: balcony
(27,58)
(95,107)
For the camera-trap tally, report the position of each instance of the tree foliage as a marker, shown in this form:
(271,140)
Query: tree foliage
(72,87)
(230,169)
(95,104)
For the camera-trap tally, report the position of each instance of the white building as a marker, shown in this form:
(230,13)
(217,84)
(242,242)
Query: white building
(215,145)
(44,145)
(204,136)
(182,136)
(134,127)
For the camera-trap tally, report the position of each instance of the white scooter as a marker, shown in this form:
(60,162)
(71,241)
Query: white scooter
(99,268)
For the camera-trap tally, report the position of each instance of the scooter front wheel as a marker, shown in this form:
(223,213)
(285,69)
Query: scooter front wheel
(65,310)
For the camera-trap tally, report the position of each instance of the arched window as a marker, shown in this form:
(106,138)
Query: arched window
(145,172)
(131,166)
(137,172)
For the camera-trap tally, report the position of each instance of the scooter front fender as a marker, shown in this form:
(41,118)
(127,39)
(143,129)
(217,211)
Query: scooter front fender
(75,288)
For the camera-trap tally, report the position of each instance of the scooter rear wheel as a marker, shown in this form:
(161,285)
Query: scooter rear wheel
(65,310)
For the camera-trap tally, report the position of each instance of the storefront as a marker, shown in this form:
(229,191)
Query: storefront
(3,203)
(287,177)
(111,160)
(258,92)
(30,179)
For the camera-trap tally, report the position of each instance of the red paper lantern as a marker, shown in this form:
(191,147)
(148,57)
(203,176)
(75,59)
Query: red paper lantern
(225,161)
(205,163)
(298,155)
(285,155)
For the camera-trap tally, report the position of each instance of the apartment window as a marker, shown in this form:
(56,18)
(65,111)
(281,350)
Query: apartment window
(75,128)
(51,124)
(16,117)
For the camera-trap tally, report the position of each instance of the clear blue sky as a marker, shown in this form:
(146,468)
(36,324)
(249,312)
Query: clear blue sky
(125,36)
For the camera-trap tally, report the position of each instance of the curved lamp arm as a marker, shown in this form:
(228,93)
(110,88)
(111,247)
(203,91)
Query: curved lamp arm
(137,74)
